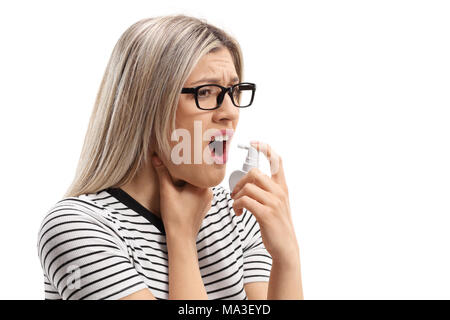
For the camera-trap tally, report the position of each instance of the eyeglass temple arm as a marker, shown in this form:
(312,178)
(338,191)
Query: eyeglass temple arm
(188,90)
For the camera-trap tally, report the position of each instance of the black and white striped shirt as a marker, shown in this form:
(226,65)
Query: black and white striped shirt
(106,245)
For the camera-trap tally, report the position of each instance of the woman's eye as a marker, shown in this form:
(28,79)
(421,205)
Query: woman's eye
(203,93)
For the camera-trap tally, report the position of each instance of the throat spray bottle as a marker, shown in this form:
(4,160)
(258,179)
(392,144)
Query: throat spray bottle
(252,161)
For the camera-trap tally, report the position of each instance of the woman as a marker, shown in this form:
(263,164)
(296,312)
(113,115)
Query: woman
(138,223)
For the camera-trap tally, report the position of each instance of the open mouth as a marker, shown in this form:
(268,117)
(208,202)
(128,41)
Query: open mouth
(218,146)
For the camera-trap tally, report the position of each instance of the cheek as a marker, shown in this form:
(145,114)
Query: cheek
(189,143)
(191,125)
(186,108)
(186,115)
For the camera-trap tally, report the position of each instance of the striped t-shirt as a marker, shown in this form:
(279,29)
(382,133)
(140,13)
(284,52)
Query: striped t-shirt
(106,245)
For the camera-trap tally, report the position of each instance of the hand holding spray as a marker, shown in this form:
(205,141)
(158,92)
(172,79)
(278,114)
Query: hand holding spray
(251,161)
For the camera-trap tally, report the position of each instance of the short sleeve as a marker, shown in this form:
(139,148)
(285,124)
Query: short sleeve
(257,260)
(82,258)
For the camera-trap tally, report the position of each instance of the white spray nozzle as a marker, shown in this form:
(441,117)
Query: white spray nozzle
(252,160)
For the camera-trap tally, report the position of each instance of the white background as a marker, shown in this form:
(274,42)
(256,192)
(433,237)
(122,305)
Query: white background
(354,95)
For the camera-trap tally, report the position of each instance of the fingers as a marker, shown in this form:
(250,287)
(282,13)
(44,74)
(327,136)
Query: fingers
(276,165)
(165,179)
(209,196)
(254,192)
(257,177)
(250,204)
(166,183)
(163,174)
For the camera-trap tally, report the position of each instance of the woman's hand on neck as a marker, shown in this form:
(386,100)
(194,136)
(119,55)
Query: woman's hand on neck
(144,188)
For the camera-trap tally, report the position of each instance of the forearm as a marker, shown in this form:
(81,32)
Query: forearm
(285,281)
(185,281)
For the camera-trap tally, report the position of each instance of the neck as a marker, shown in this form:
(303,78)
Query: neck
(144,188)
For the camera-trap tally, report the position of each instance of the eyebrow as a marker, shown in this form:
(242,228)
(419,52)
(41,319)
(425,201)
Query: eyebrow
(212,80)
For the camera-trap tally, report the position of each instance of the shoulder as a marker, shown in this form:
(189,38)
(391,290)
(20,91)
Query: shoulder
(222,201)
(222,205)
(81,213)
(221,192)
(82,206)
(221,198)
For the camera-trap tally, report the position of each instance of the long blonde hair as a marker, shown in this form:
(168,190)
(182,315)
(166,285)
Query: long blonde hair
(136,103)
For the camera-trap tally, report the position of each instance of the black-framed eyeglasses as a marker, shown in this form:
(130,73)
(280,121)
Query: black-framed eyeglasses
(211,96)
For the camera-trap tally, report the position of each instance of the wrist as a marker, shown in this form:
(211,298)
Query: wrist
(289,255)
(179,238)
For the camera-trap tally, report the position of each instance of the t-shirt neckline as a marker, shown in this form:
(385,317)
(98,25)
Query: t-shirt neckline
(133,204)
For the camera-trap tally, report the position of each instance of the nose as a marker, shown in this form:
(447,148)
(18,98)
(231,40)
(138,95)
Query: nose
(227,110)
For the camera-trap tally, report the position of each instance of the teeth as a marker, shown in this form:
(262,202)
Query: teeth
(220,138)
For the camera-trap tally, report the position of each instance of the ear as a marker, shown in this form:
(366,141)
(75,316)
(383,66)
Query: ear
(153,148)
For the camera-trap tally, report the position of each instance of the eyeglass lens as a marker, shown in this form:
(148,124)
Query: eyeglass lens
(207,96)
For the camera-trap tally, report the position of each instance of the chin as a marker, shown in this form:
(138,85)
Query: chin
(209,183)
